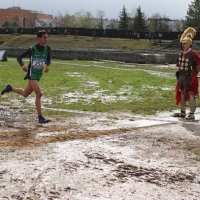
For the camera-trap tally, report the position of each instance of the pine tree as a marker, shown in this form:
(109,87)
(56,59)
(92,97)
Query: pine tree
(139,23)
(123,19)
(193,15)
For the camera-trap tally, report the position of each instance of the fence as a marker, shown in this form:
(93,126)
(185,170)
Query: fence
(112,33)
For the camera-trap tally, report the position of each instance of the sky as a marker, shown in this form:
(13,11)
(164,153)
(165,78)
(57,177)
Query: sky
(174,9)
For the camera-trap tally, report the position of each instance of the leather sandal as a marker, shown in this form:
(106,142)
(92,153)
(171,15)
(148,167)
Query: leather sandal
(190,116)
(181,114)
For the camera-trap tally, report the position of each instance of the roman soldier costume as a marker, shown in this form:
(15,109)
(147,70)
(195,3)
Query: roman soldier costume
(188,65)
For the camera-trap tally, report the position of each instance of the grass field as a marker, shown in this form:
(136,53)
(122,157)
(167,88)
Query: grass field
(96,86)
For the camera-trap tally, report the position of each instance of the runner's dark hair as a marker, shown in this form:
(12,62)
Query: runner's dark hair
(40,33)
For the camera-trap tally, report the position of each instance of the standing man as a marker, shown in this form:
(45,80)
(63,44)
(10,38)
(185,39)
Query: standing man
(39,54)
(188,65)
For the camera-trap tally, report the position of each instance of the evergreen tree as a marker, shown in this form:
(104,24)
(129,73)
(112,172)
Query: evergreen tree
(7,24)
(15,24)
(123,19)
(139,23)
(193,15)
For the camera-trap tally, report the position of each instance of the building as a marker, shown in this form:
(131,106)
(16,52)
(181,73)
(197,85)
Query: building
(25,18)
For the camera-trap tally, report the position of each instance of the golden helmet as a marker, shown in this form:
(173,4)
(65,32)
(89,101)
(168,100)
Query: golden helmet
(188,35)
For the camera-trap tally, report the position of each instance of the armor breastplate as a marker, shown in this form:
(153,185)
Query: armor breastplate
(185,65)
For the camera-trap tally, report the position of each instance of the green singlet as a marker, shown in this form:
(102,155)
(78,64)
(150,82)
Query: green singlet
(38,60)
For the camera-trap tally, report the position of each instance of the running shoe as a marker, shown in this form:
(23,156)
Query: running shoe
(42,120)
(7,89)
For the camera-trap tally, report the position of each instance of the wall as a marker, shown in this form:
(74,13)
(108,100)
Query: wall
(122,56)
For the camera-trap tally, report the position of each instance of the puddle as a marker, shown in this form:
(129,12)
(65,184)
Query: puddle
(138,123)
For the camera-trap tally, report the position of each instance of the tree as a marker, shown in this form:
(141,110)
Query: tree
(123,19)
(69,21)
(89,20)
(178,25)
(158,23)
(84,19)
(114,24)
(132,17)
(100,18)
(139,23)
(153,22)
(59,20)
(15,24)
(7,24)
(193,15)
(30,20)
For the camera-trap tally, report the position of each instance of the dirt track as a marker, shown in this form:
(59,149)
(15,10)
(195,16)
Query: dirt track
(99,156)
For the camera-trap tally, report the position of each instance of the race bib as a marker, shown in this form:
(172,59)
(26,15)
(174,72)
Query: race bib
(38,63)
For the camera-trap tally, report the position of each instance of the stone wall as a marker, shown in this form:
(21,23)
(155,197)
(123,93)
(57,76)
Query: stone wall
(142,57)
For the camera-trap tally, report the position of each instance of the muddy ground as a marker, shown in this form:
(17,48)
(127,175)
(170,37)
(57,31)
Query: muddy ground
(99,156)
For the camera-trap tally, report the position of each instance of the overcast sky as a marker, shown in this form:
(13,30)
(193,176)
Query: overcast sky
(174,9)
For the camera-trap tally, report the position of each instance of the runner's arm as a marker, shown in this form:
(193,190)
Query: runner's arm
(48,60)
(26,53)
(49,56)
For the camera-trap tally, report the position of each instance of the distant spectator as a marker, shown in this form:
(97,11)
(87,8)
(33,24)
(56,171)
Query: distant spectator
(160,37)
(150,36)
(154,36)
(76,33)
(127,34)
(134,35)
(138,36)
(130,36)
(6,31)
(49,32)
(107,33)
(14,30)
(94,34)
(146,36)
(104,33)
(59,32)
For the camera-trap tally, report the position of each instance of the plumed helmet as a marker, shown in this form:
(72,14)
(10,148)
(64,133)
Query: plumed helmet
(188,35)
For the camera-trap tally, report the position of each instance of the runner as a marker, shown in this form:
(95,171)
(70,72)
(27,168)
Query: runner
(188,65)
(39,54)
